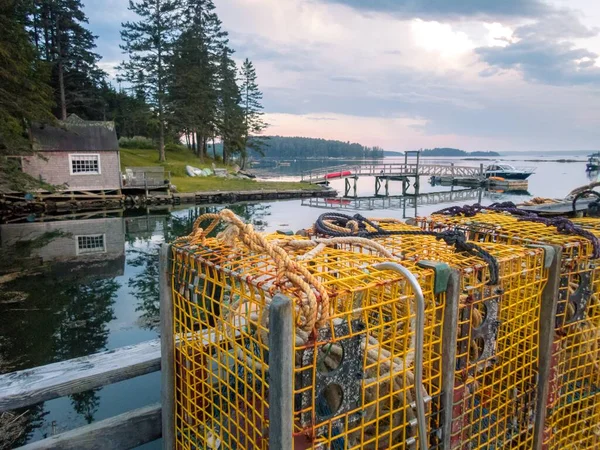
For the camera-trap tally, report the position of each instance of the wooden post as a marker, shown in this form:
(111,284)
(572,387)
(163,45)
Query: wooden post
(281,372)
(546,339)
(449,355)
(167,345)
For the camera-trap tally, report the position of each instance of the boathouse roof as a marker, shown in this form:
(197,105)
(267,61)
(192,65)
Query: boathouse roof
(75,134)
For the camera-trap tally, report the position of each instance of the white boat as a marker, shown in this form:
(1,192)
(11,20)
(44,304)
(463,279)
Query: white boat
(508,172)
(196,172)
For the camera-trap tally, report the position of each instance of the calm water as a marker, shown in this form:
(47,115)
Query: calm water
(90,285)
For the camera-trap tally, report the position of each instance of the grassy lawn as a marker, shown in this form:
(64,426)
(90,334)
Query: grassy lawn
(176,162)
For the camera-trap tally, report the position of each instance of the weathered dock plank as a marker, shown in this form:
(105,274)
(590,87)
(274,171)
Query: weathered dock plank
(27,387)
(125,431)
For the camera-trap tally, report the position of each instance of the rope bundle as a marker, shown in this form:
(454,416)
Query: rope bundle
(314,309)
(342,225)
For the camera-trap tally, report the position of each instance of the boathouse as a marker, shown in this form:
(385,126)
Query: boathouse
(76,155)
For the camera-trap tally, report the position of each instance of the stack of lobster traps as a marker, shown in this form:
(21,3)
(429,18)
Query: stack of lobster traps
(452,333)
(573,399)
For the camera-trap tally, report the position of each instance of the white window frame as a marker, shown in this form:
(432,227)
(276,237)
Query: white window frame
(79,251)
(74,155)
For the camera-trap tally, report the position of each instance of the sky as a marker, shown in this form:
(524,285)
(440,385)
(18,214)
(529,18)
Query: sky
(502,75)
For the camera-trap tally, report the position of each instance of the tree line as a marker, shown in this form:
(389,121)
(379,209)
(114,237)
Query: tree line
(305,148)
(180,76)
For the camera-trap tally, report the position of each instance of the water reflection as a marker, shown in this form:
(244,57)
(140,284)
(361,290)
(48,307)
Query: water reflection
(70,288)
(409,204)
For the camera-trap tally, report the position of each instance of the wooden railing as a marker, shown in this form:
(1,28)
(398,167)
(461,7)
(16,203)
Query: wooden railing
(28,387)
(129,430)
(393,169)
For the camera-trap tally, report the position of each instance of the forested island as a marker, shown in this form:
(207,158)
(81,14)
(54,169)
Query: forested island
(309,148)
(447,151)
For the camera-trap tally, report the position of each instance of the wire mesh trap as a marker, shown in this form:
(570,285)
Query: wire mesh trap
(573,403)
(494,397)
(354,380)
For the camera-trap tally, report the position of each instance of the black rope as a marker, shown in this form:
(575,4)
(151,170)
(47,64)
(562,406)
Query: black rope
(562,224)
(583,194)
(451,237)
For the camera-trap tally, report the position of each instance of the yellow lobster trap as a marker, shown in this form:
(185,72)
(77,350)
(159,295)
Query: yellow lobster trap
(573,400)
(494,347)
(364,353)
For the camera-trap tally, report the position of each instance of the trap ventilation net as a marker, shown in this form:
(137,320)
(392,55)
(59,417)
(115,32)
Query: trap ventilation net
(353,354)
(494,392)
(573,403)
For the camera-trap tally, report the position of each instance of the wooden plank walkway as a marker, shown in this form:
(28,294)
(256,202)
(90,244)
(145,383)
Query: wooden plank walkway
(402,170)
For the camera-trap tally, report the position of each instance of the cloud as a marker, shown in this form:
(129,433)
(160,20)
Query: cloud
(542,52)
(347,79)
(435,9)
(501,75)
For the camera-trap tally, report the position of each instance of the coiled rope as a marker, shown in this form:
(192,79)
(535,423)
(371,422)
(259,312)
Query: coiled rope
(562,224)
(314,311)
(342,225)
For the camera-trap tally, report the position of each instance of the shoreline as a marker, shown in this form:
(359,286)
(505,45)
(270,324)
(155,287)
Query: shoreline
(15,207)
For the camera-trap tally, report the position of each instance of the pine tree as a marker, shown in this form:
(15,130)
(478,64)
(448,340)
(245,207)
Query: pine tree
(57,29)
(25,95)
(253,114)
(230,119)
(193,95)
(149,45)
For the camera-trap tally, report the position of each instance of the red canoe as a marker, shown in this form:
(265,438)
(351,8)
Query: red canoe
(338,174)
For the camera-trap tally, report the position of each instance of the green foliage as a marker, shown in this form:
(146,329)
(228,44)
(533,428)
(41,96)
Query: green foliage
(230,120)
(25,95)
(176,166)
(149,44)
(172,147)
(59,34)
(303,148)
(193,92)
(131,114)
(137,142)
(254,123)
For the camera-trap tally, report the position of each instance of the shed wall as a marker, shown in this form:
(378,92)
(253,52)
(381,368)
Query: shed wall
(55,168)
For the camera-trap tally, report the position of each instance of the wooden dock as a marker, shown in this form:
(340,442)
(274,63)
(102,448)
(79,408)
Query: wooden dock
(386,172)
(391,170)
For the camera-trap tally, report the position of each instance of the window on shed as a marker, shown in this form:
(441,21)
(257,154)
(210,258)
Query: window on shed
(93,243)
(85,164)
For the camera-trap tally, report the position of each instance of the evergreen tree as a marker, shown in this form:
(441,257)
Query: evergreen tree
(57,29)
(131,114)
(253,114)
(193,96)
(149,44)
(25,95)
(230,119)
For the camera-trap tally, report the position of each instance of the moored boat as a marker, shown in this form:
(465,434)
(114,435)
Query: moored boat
(508,172)
(593,162)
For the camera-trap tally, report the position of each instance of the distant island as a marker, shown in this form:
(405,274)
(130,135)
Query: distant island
(446,151)
(284,147)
